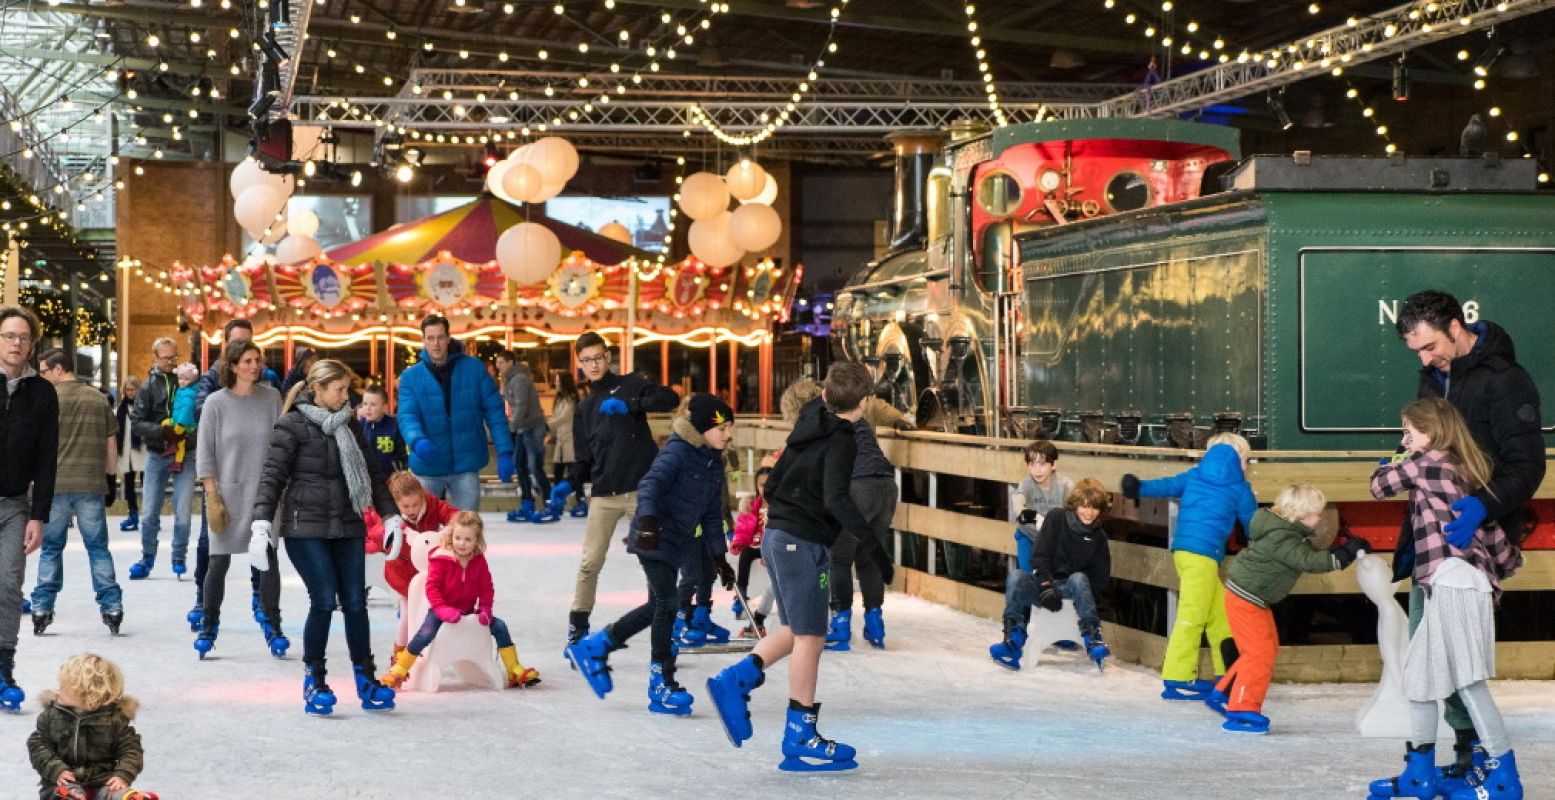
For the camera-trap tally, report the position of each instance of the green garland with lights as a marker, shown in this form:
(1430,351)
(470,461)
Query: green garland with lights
(53,309)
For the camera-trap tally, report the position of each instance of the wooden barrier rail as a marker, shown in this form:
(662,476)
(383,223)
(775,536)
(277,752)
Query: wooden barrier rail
(1342,476)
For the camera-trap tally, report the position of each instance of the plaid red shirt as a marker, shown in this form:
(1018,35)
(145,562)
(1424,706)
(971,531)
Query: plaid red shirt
(1432,483)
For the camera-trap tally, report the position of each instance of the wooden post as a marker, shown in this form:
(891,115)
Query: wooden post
(627,335)
(734,374)
(372,354)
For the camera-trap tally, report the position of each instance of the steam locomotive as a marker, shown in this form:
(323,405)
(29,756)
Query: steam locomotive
(1133,281)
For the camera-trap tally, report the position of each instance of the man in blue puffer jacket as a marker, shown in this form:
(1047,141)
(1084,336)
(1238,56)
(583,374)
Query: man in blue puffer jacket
(681,491)
(1215,496)
(442,403)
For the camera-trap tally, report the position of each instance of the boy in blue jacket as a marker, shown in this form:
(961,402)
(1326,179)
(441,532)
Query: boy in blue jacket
(1215,496)
(682,490)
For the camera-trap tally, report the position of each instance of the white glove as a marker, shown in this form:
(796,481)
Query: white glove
(393,536)
(259,545)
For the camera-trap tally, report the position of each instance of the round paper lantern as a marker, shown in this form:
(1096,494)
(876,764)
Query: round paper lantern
(555,158)
(256,208)
(754,227)
(256,259)
(494,178)
(616,231)
(302,222)
(278,231)
(745,179)
(528,253)
(548,191)
(522,182)
(768,192)
(703,195)
(297,248)
(249,174)
(709,240)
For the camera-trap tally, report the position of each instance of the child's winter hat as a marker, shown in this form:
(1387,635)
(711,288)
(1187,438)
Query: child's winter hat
(708,412)
(187,371)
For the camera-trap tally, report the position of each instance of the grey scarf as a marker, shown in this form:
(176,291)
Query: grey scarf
(338,425)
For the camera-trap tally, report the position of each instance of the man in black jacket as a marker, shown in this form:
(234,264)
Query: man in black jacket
(29,440)
(1474,366)
(614,450)
(808,505)
(153,407)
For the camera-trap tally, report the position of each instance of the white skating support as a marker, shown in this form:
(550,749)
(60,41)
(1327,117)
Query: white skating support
(465,645)
(1048,627)
(382,594)
(1386,714)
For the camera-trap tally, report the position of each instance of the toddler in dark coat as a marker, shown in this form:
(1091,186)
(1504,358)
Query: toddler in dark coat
(85,742)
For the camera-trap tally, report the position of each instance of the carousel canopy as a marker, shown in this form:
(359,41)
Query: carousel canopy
(469,233)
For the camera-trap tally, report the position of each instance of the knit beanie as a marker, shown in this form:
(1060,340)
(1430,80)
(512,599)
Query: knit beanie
(708,412)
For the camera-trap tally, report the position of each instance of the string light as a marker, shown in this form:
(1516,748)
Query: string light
(976,41)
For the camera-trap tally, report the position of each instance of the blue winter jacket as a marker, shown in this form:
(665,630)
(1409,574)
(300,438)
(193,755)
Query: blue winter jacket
(1215,495)
(683,489)
(452,420)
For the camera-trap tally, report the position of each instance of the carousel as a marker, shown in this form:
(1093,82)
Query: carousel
(502,274)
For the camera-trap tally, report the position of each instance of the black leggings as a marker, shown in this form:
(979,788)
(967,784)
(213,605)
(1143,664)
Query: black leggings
(658,612)
(742,573)
(559,474)
(131,497)
(848,554)
(216,590)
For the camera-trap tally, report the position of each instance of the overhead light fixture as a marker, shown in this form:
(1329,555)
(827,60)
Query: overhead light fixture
(404,173)
(273,51)
(1277,105)
(1400,80)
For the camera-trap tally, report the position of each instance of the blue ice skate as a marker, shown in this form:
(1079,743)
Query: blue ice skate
(1418,780)
(26,606)
(874,628)
(179,568)
(525,512)
(1095,648)
(206,641)
(317,699)
(130,523)
(1245,722)
(1498,780)
(579,510)
(839,634)
(1216,700)
(141,569)
(374,695)
(551,513)
(1008,652)
(806,750)
(258,608)
(276,641)
(11,696)
(730,691)
(665,696)
(712,633)
(590,656)
(1195,690)
(195,615)
(685,633)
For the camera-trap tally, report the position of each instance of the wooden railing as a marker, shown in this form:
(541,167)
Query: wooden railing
(1343,477)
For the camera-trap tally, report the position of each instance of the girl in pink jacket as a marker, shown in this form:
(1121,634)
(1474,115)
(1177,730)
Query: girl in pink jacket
(459,584)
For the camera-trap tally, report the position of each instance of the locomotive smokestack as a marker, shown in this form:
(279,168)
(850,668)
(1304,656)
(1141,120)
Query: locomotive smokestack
(916,152)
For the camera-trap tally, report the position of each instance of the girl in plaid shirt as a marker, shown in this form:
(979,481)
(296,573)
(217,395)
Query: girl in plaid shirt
(1453,648)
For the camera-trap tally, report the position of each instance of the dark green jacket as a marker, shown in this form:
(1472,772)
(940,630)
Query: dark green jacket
(1279,551)
(95,745)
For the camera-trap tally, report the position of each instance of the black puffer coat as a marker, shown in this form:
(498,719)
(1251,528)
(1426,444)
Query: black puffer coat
(304,488)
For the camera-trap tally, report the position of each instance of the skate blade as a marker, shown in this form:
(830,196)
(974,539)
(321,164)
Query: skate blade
(1011,666)
(797,764)
(736,646)
(1245,731)
(723,716)
(670,711)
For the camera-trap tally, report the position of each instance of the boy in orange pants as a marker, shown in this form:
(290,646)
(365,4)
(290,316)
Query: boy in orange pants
(1280,550)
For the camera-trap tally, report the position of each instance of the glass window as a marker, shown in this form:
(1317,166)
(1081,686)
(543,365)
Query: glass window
(412,208)
(646,217)
(999,194)
(342,218)
(1127,191)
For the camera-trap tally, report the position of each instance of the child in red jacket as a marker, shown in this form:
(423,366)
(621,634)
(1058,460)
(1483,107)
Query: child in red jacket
(459,584)
(421,512)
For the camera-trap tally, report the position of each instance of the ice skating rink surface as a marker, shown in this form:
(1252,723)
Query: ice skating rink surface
(931,715)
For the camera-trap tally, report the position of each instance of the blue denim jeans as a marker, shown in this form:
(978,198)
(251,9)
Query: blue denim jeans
(335,572)
(87,509)
(430,626)
(153,490)
(529,461)
(462,490)
(1022,592)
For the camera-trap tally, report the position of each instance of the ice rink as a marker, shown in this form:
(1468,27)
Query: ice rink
(931,715)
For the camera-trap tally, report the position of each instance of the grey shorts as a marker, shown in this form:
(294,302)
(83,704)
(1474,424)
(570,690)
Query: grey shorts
(799,572)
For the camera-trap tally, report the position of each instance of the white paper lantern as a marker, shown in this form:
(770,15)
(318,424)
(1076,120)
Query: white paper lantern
(256,208)
(249,174)
(616,231)
(302,222)
(703,195)
(754,227)
(768,193)
(555,158)
(709,240)
(297,248)
(523,183)
(278,231)
(528,253)
(494,178)
(258,258)
(549,191)
(745,179)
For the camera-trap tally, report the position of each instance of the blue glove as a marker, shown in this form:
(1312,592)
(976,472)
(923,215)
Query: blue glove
(504,467)
(1471,514)
(1384,462)
(559,494)
(613,406)
(424,449)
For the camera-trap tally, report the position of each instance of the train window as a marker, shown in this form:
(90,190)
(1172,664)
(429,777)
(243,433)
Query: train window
(998,193)
(937,203)
(1127,191)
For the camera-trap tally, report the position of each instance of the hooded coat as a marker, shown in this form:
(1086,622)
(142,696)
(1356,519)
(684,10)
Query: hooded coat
(1215,496)
(1278,552)
(683,491)
(807,490)
(448,404)
(303,489)
(1066,546)
(464,588)
(95,745)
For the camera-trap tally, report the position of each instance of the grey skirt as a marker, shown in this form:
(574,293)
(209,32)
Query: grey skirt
(1455,643)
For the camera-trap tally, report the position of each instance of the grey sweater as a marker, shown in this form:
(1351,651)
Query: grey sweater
(518,388)
(234,441)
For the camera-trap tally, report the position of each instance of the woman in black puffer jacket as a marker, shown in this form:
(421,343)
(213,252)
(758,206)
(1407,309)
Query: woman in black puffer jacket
(317,481)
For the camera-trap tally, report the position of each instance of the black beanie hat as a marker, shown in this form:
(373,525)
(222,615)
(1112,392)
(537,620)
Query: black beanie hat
(708,412)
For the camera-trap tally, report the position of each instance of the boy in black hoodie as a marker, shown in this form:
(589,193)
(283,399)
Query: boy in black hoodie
(808,504)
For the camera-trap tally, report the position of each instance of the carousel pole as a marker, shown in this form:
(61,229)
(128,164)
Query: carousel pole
(372,354)
(734,373)
(388,366)
(290,347)
(712,366)
(764,360)
(627,351)
(664,363)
